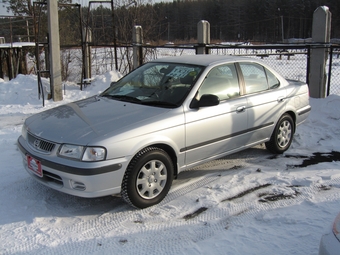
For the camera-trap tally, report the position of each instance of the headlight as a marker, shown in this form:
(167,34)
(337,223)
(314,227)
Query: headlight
(24,131)
(71,151)
(82,153)
(94,154)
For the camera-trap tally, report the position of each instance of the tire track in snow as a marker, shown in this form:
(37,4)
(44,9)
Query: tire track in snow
(112,221)
(105,223)
(134,231)
(204,225)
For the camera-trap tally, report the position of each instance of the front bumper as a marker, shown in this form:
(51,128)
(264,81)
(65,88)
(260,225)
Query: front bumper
(83,179)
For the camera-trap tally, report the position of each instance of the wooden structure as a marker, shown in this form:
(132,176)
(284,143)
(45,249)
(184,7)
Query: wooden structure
(13,58)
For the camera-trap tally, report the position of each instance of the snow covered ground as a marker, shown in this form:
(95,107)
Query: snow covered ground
(252,202)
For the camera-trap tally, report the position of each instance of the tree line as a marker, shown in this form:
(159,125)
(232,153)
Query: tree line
(266,21)
(241,20)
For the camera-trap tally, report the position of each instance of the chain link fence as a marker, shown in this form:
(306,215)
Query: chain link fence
(334,71)
(290,61)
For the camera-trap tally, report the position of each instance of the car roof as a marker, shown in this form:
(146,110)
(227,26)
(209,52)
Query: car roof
(203,60)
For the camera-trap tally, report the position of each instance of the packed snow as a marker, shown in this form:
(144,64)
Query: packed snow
(251,202)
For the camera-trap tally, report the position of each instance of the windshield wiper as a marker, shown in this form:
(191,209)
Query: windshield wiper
(160,103)
(123,98)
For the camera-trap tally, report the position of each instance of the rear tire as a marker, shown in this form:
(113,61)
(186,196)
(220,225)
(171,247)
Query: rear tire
(282,136)
(148,178)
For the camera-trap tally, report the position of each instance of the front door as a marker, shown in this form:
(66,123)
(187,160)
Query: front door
(212,131)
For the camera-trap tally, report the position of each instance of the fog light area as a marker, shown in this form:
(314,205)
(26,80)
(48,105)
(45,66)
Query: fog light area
(77,185)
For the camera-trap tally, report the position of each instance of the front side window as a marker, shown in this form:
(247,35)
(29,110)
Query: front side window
(221,81)
(156,84)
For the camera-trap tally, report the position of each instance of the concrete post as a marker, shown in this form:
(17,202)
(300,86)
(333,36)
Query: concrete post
(203,36)
(137,41)
(320,35)
(54,52)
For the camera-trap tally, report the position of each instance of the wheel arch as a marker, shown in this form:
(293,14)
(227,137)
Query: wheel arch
(293,115)
(169,150)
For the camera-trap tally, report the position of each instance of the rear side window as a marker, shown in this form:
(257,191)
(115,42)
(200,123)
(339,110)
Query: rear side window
(257,78)
(273,82)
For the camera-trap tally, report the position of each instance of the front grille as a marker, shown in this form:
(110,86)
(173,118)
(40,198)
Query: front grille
(40,144)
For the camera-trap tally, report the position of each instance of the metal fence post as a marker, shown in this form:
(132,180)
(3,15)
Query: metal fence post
(319,53)
(137,41)
(87,57)
(203,37)
(330,70)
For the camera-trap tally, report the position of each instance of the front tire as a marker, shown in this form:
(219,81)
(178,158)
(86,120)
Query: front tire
(282,136)
(148,178)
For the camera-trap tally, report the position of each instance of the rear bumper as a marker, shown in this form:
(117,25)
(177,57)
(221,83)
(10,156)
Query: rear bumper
(302,114)
(83,179)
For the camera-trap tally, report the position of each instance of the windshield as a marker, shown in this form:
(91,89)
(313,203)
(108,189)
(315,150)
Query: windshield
(156,84)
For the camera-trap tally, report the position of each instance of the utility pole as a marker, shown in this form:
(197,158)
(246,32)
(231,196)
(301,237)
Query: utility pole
(54,49)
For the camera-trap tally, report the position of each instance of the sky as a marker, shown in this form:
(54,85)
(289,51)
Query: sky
(3,8)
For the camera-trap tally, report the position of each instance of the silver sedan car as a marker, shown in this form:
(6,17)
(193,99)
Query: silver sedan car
(166,116)
(330,241)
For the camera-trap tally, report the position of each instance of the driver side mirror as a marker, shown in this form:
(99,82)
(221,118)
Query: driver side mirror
(206,101)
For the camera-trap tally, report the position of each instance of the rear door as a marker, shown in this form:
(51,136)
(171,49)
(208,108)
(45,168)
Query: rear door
(266,100)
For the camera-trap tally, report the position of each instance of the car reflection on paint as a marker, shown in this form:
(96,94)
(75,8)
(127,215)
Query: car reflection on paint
(166,116)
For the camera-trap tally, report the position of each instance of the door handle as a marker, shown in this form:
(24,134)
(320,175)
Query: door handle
(280,99)
(241,109)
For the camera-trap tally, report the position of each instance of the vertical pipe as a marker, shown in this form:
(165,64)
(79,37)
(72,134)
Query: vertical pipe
(282,32)
(329,70)
(114,35)
(28,31)
(308,65)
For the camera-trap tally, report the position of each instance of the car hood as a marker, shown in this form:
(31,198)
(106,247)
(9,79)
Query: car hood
(83,121)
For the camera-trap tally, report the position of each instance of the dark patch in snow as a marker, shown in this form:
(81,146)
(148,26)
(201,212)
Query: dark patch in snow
(275,197)
(235,167)
(323,187)
(123,241)
(317,158)
(295,156)
(246,192)
(195,214)
(294,186)
(241,212)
